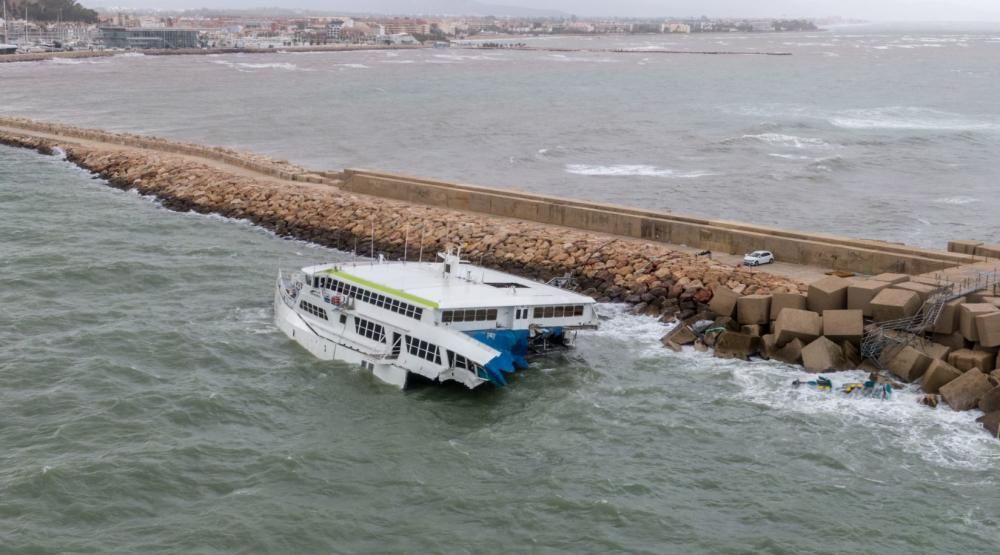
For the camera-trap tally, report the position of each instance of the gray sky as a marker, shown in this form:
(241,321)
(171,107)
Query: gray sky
(886,10)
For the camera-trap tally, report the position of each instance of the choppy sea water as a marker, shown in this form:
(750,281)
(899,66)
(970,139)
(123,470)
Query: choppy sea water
(870,132)
(149,406)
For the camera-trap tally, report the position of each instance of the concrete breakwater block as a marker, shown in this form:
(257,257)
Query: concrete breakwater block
(965,391)
(780,301)
(823,355)
(921,289)
(829,293)
(797,324)
(948,320)
(953,341)
(723,301)
(755,330)
(791,353)
(938,374)
(967,314)
(844,325)
(736,345)
(991,422)
(963,247)
(892,278)
(851,354)
(966,359)
(754,309)
(893,304)
(988,329)
(910,364)
(861,293)
(990,402)
(988,250)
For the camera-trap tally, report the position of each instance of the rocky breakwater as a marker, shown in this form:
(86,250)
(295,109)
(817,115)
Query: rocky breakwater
(656,279)
(954,361)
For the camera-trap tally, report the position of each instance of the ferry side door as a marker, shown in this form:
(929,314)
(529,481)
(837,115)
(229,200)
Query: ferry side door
(519,317)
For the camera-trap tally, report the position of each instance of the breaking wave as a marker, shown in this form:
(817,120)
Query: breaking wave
(632,170)
(908,118)
(958,201)
(778,139)
(246,66)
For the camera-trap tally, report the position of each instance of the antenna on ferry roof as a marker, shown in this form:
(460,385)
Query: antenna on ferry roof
(421,259)
(406,240)
(355,253)
(373,238)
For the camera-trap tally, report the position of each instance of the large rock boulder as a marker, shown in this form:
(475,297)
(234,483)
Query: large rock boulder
(964,392)
(780,301)
(844,325)
(736,345)
(723,301)
(768,346)
(823,355)
(967,314)
(893,304)
(988,329)
(938,374)
(861,293)
(753,309)
(829,293)
(798,324)
(909,364)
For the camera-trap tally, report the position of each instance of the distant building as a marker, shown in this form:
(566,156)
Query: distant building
(333,29)
(677,28)
(133,37)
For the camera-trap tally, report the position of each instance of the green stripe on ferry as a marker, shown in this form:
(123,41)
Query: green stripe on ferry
(383,288)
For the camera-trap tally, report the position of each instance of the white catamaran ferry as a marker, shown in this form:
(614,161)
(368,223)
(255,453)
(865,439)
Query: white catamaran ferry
(444,321)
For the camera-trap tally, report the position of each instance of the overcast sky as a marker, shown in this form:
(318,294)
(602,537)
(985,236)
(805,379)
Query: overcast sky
(886,10)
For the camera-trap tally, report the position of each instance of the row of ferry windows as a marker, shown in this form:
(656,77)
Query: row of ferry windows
(368,329)
(313,309)
(558,311)
(369,297)
(473,315)
(423,349)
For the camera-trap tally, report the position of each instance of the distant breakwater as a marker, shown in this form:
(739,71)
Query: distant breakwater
(658,280)
(634,51)
(83,54)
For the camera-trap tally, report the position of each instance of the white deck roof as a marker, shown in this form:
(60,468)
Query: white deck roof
(426,285)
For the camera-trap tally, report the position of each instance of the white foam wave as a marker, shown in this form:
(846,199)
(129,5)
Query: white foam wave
(246,66)
(353,66)
(632,170)
(908,118)
(787,140)
(788,156)
(398,62)
(72,62)
(956,200)
(130,55)
(942,437)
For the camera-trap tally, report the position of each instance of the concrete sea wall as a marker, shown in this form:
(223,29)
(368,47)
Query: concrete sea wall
(838,253)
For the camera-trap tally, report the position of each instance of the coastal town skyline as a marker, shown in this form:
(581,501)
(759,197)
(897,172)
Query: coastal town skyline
(876,10)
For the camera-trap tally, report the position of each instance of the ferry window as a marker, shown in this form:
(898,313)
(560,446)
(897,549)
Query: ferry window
(368,329)
(480,315)
(313,309)
(549,312)
(423,349)
(578,310)
(343,318)
(446,316)
(491,314)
